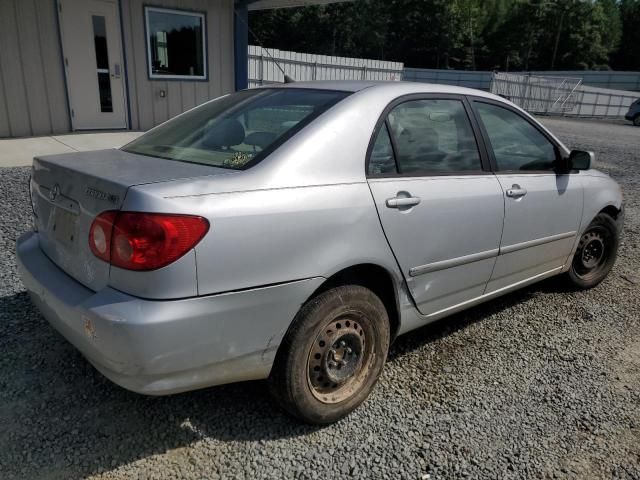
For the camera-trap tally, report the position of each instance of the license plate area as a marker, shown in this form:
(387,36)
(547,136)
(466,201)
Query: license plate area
(63,227)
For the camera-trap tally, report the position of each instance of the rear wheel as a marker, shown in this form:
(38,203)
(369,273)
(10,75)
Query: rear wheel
(636,120)
(332,355)
(596,252)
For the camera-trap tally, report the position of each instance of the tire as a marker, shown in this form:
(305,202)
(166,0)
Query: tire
(332,355)
(636,120)
(596,252)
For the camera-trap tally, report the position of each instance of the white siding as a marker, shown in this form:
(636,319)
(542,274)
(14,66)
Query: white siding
(33,99)
(148,108)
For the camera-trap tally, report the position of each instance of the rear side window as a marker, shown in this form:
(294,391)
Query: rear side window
(238,130)
(381,160)
(516,144)
(433,136)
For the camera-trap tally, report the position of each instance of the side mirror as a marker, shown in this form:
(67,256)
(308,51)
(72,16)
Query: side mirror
(580,160)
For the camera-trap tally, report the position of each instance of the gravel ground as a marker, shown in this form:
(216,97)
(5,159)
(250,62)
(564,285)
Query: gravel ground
(543,383)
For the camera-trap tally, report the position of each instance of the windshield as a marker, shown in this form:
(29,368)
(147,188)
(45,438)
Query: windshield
(237,130)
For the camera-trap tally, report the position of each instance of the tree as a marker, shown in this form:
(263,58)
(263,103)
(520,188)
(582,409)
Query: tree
(466,34)
(627,57)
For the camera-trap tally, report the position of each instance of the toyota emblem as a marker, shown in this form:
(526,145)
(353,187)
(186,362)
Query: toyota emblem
(53,193)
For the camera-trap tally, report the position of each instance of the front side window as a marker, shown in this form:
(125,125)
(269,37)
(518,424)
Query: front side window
(433,136)
(517,145)
(236,130)
(175,44)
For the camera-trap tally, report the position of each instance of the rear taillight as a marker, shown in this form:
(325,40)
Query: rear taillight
(144,241)
(100,235)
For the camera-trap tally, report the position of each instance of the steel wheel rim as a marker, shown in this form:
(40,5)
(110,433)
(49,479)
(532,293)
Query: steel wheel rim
(340,358)
(593,253)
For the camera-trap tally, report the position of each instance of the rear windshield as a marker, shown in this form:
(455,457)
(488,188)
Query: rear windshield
(237,130)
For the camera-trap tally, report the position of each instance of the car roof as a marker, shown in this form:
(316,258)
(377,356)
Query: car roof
(405,87)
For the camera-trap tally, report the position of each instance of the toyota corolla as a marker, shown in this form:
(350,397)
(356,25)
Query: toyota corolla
(291,232)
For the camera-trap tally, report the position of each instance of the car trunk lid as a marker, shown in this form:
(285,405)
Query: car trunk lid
(68,191)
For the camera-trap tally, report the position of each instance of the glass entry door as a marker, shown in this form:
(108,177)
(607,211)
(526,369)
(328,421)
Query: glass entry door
(90,31)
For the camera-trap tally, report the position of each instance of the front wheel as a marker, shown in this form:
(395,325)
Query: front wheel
(332,355)
(596,252)
(636,120)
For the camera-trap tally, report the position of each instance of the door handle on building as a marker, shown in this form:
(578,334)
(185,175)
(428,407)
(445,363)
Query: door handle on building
(116,70)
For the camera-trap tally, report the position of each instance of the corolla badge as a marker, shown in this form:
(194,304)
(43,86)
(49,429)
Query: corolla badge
(54,192)
(100,195)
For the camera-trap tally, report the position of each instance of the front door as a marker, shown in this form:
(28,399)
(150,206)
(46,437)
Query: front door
(542,207)
(90,32)
(440,209)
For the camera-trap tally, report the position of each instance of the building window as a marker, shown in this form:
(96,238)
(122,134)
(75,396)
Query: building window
(175,44)
(102,62)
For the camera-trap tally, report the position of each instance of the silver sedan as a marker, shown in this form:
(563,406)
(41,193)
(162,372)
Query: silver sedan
(292,232)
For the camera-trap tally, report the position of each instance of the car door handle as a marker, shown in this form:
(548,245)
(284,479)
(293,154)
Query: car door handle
(398,202)
(516,191)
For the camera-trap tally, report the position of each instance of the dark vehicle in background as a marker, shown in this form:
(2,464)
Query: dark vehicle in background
(634,113)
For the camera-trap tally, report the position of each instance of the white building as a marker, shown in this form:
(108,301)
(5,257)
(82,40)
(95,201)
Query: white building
(118,64)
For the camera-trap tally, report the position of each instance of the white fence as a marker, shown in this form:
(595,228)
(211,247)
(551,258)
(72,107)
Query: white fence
(538,94)
(564,96)
(307,66)
(595,78)
(603,102)
(482,79)
(566,93)
(462,78)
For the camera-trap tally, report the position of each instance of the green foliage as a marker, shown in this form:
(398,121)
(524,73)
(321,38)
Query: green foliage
(628,56)
(466,34)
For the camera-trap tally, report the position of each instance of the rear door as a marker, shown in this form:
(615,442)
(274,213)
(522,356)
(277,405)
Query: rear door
(542,207)
(440,206)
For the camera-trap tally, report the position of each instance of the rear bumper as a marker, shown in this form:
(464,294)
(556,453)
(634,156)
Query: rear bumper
(162,347)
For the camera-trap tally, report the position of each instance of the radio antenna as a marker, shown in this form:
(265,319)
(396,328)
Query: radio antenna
(287,78)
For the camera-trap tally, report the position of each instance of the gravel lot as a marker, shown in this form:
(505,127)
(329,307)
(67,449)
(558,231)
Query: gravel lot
(543,383)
